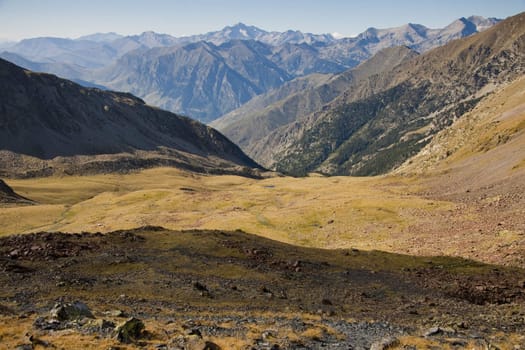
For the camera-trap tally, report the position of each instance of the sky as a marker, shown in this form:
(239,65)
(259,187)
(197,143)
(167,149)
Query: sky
(21,19)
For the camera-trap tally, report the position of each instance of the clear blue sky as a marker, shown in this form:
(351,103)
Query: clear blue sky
(73,18)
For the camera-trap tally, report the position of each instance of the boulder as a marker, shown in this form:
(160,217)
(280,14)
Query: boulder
(71,311)
(211,346)
(433,332)
(130,330)
(385,343)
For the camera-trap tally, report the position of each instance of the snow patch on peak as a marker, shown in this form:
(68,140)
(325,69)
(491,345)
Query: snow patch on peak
(337,35)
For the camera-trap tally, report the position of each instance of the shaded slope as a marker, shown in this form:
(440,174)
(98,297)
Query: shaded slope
(45,117)
(7,195)
(405,107)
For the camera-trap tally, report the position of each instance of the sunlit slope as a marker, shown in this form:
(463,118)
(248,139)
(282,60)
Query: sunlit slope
(484,146)
(314,211)
(462,196)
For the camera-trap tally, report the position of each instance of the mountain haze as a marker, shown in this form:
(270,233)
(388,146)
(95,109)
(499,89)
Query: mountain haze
(142,64)
(201,79)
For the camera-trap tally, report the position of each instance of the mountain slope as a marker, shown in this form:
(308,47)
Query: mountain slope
(44,117)
(249,125)
(403,108)
(7,195)
(479,164)
(241,126)
(200,79)
(482,149)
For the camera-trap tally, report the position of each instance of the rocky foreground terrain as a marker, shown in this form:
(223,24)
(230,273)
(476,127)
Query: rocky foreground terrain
(152,288)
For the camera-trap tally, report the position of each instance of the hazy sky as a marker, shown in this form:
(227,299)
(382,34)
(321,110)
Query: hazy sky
(73,18)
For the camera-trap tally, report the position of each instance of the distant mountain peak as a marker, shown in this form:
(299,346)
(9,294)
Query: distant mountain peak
(242,25)
(242,31)
(101,37)
(483,23)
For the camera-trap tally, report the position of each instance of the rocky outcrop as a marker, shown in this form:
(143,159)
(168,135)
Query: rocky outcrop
(71,311)
(130,330)
(7,195)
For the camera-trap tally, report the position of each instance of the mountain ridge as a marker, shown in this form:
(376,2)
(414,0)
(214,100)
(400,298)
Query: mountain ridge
(450,76)
(265,118)
(293,52)
(51,124)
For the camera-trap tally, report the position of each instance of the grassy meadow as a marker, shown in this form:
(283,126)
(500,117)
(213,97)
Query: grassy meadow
(333,212)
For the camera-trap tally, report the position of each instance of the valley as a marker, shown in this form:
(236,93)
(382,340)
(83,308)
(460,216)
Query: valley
(387,212)
(428,256)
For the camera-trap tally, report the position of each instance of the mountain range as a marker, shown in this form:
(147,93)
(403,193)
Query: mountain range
(50,126)
(206,76)
(250,125)
(384,116)
(366,120)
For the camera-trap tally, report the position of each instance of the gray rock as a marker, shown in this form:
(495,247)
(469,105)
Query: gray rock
(433,332)
(194,331)
(116,313)
(130,330)
(211,346)
(43,323)
(385,343)
(24,347)
(71,311)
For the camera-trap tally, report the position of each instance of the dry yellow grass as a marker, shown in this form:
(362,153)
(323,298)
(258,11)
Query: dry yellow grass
(390,213)
(323,212)
(15,331)
(491,135)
